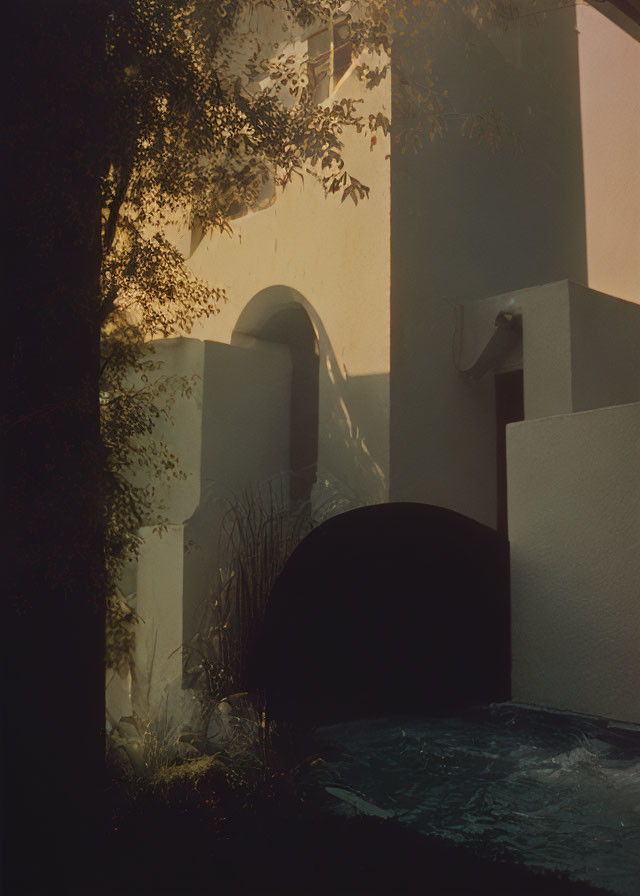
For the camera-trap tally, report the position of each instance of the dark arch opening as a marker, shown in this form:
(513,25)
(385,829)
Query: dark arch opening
(388,609)
(274,315)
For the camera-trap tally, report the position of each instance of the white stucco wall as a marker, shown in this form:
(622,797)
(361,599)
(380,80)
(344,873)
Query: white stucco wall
(181,428)
(468,224)
(231,434)
(245,420)
(605,348)
(580,348)
(333,258)
(574,528)
(245,442)
(383,284)
(233,430)
(157,671)
(117,696)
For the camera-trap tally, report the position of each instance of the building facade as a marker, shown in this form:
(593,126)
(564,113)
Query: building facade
(468,337)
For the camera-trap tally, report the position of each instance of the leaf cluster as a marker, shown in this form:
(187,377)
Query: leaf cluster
(203,113)
(208,102)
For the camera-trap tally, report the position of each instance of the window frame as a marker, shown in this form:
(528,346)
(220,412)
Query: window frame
(331,25)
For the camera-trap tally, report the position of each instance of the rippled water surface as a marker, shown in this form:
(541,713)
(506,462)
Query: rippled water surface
(559,793)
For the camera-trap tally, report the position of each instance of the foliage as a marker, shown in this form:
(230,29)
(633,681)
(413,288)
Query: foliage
(121,619)
(192,135)
(259,532)
(207,102)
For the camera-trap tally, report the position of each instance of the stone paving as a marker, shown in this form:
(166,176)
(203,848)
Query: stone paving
(556,792)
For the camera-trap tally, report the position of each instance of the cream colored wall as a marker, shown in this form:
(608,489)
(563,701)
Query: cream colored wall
(230,435)
(245,442)
(333,258)
(605,349)
(117,696)
(574,527)
(609,62)
(581,348)
(157,670)
(382,283)
(232,431)
(573,496)
(468,224)
(181,430)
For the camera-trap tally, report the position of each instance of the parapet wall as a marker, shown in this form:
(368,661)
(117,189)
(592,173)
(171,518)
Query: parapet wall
(574,528)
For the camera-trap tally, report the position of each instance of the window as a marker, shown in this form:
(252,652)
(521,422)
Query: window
(330,54)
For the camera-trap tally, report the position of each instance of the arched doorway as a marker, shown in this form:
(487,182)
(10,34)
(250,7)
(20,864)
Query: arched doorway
(278,315)
(410,602)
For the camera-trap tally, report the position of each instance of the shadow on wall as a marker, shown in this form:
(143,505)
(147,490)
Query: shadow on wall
(318,423)
(395,608)
(343,414)
(468,223)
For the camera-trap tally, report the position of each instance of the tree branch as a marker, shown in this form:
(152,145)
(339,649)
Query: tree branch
(110,227)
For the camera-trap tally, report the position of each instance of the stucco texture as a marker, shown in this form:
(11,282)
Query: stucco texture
(574,527)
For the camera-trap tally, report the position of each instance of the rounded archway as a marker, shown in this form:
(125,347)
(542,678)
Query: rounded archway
(389,609)
(278,314)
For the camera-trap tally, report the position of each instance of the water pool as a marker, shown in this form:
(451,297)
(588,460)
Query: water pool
(556,792)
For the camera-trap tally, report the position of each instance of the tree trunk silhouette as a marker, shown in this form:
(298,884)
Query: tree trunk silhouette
(54,613)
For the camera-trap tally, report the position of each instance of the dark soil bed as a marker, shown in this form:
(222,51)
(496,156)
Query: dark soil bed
(164,852)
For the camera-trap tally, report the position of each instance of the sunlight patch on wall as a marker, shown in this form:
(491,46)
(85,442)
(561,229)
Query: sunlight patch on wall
(609,62)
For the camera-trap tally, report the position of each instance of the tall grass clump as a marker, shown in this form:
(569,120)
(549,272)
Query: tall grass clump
(260,529)
(259,532)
